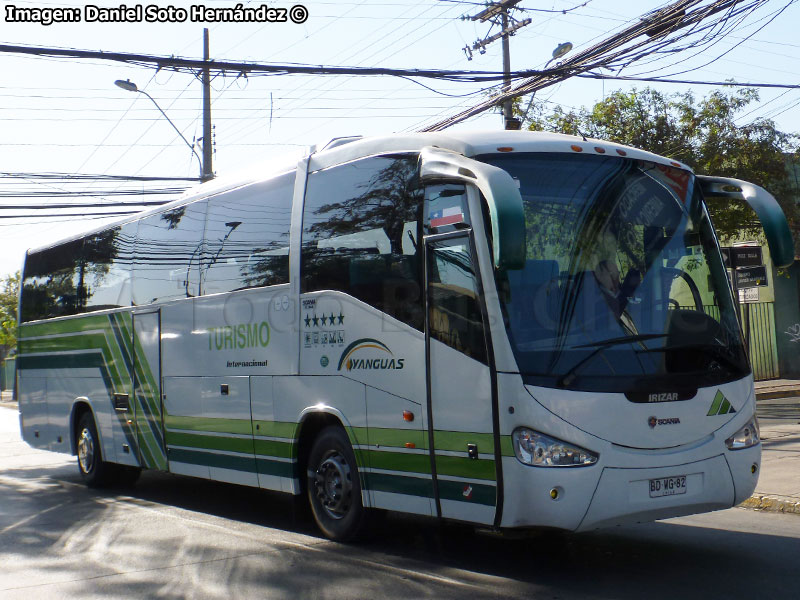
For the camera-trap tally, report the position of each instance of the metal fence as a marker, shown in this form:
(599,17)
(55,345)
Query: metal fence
(758,325)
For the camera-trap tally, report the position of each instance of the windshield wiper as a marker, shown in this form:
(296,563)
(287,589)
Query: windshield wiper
(568,377)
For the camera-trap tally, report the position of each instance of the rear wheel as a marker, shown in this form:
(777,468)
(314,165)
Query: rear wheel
(334,488)
(94,471)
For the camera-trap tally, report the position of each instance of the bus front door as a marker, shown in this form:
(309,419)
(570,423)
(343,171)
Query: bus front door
(459,383)
(147,402)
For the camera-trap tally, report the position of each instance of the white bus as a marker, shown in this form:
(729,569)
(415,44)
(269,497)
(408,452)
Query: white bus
(511,329)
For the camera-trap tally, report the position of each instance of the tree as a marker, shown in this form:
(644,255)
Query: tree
(9,292)
(703,134)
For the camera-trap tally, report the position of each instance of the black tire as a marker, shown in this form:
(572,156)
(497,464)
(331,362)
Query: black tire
(334,487)
(95,472)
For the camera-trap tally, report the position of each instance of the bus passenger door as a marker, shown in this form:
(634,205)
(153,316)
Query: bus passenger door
(459,382)
(147,402)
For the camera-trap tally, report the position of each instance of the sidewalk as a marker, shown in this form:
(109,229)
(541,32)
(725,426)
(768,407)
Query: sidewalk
(778,405)
(777,388)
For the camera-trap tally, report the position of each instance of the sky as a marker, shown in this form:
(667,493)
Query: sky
(66,115)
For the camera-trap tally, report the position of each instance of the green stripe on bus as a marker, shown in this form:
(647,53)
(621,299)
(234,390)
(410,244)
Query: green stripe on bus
(246,464)
(210,442)
(240,426)
(397,461)
(399,484)
(272,448)
(75,325)
(398,438)
(457,441)
(275,467)
(275,429)
(469,468)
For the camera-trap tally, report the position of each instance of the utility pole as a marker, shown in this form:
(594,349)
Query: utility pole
(508,26)
(208,171)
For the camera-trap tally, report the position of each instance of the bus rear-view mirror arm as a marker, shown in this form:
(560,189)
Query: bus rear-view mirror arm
(769,212)
(500,191)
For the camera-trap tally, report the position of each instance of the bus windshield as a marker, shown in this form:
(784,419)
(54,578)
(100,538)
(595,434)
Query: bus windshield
(623,288)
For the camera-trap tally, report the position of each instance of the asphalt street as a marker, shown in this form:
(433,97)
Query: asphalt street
(178,537)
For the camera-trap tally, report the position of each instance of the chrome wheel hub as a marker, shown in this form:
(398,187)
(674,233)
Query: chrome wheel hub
(86,451)
(333,486)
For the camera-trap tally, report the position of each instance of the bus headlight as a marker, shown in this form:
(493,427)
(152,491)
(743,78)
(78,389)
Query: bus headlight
(747,436)
(540,450)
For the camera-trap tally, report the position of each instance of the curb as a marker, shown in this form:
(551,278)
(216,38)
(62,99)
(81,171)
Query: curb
(772,504)
(772,394)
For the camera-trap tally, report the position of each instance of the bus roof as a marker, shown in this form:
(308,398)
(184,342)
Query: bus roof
(468,143)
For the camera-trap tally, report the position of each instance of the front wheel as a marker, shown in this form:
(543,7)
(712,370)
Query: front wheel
(94,471)
(334,489)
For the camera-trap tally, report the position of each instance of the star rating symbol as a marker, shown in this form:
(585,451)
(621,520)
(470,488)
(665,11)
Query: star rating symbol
(308,320)
(316,321)
(332,319)
(341,318)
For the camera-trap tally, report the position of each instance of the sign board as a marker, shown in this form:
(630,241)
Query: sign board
(748,295)
(742,256)
(748,277)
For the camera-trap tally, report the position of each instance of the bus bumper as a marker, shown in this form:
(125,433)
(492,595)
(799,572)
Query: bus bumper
(629,495)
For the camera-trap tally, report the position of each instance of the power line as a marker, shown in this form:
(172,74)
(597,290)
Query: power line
(785,86)
(252,68)
(619,49)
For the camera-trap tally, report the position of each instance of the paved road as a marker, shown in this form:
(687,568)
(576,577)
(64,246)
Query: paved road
(779,411)
(176,537)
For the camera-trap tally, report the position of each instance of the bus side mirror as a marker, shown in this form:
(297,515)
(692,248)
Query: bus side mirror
(776,227)
(502,198)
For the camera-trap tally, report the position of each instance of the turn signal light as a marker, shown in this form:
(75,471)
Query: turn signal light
(408,415)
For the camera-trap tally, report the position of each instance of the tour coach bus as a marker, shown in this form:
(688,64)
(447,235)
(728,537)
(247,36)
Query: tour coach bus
(512,329)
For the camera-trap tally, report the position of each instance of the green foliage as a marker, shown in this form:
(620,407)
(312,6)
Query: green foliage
(9,291)
(703,134)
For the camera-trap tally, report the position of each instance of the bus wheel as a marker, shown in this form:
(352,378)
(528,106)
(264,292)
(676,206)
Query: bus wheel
(334,489)
(94,471)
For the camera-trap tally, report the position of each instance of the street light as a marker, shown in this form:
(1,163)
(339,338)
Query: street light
(130,86)
(560,51)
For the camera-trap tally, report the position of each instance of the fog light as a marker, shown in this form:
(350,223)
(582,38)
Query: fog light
(554,494)
(754,468)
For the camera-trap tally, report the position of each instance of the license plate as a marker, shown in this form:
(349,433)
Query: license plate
(667,486)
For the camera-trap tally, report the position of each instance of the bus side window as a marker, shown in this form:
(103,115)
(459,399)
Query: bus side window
(51,282)
(168,251)
(108,260)
(360,234)
(247,237)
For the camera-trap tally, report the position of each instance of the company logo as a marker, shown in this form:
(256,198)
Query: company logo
(720,406)
(653,421)
(663,397)
(237,337)
(350,361)
(323,361)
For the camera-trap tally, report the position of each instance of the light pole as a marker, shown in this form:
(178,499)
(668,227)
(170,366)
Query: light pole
(129,86)
(560,51)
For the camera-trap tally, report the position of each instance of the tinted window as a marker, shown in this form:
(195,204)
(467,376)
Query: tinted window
(169,248)
(453,298)
(51,283)
(360,234)
(247,237)
(108,260)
